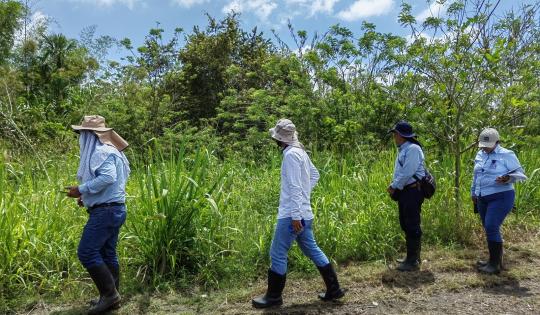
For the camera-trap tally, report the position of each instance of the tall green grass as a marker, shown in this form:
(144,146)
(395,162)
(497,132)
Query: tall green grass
(195,219)
(172,194)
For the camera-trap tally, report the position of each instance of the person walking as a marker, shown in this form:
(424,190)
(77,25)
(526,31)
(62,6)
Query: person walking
(102,174)
(406,190)
(492,192)
(295,219)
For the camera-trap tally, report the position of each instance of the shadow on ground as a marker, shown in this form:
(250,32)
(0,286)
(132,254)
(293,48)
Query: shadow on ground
(504,285)
(414,279)
(315,307)
(136,305)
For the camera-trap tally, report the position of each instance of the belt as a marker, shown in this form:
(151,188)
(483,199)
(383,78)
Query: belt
(102,205)
(413,185)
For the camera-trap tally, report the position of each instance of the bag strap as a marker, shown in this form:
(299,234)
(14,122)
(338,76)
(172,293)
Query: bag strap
(414,176)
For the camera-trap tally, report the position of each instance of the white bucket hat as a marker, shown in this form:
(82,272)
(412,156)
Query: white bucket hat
(488,138)
(285,131)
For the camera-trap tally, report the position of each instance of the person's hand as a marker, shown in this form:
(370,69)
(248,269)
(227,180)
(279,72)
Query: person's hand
(297,226)
(390,190)
(474,199)
(80,202)
(502,179)
(73,192)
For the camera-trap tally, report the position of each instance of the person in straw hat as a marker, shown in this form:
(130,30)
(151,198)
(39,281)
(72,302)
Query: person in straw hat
(295,219)
(492,192)
(102,174)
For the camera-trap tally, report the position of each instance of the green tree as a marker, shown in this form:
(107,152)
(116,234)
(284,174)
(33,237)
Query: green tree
(11,13)
(464,78)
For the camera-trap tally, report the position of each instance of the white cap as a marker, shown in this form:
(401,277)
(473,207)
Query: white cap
(488,138)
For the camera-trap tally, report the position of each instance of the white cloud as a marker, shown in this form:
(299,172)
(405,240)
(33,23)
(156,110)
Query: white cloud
(312,6)
(366,8)
(35,22)
(189,3)
(435,9)
(323,6)
(261,8)
(235,5)
(109,3)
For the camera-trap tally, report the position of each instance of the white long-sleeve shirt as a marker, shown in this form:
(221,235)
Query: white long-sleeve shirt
(298,177)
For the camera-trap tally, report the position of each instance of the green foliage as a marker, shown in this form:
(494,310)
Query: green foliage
(207,217)
(172,194)
(10,14)
(194,219)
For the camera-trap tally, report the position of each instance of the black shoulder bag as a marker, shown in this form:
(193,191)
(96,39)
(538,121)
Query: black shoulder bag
(427,184)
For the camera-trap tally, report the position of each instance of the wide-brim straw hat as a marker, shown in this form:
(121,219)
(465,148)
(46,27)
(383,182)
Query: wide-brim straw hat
(105,134)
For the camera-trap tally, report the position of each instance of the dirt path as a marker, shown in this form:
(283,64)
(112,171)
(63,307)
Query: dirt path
(447,284)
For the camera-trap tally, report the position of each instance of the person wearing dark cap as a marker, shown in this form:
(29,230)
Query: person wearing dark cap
(492,192)
(102,174)
(405,189)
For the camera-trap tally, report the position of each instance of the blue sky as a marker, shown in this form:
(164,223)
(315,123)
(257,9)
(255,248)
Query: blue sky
(133,18)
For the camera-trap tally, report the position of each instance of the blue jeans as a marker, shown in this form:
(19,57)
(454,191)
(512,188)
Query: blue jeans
(493,209)
(100,236)
(282,242)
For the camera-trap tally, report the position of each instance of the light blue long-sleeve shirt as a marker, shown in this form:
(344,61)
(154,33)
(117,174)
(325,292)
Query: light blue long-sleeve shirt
(409,162)
(489,166)
(298,178)
(108,186)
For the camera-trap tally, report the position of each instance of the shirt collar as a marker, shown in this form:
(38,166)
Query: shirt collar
(404,145)
(287,149)
(497,150)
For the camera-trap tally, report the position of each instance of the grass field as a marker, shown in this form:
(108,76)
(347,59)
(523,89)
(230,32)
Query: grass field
(196,220)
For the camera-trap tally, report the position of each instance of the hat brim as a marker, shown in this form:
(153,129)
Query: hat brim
(79,128)
(274,134)
(277,136)
(482,144)
(411,135)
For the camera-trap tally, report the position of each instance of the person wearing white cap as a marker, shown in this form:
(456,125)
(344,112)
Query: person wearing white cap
(102,174)
(492,192)
(295,219)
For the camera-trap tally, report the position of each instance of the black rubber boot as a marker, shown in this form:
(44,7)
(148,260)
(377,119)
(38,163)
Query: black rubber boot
(109,297)
(401,260)
(115,273)
(495,256)
(483,263)
(333,291)
(412,262)
(276,283)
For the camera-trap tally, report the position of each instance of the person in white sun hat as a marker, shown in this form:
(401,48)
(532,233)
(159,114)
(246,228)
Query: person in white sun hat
(295,219)
(492,192)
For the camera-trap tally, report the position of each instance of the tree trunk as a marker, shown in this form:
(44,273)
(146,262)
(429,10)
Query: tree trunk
(457,159)
(457,172)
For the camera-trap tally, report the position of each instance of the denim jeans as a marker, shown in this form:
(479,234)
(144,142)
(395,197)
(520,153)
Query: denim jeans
(100,236)
(493,209)
(282,242)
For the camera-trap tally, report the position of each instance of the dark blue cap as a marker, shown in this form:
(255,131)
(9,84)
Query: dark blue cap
(404,129)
